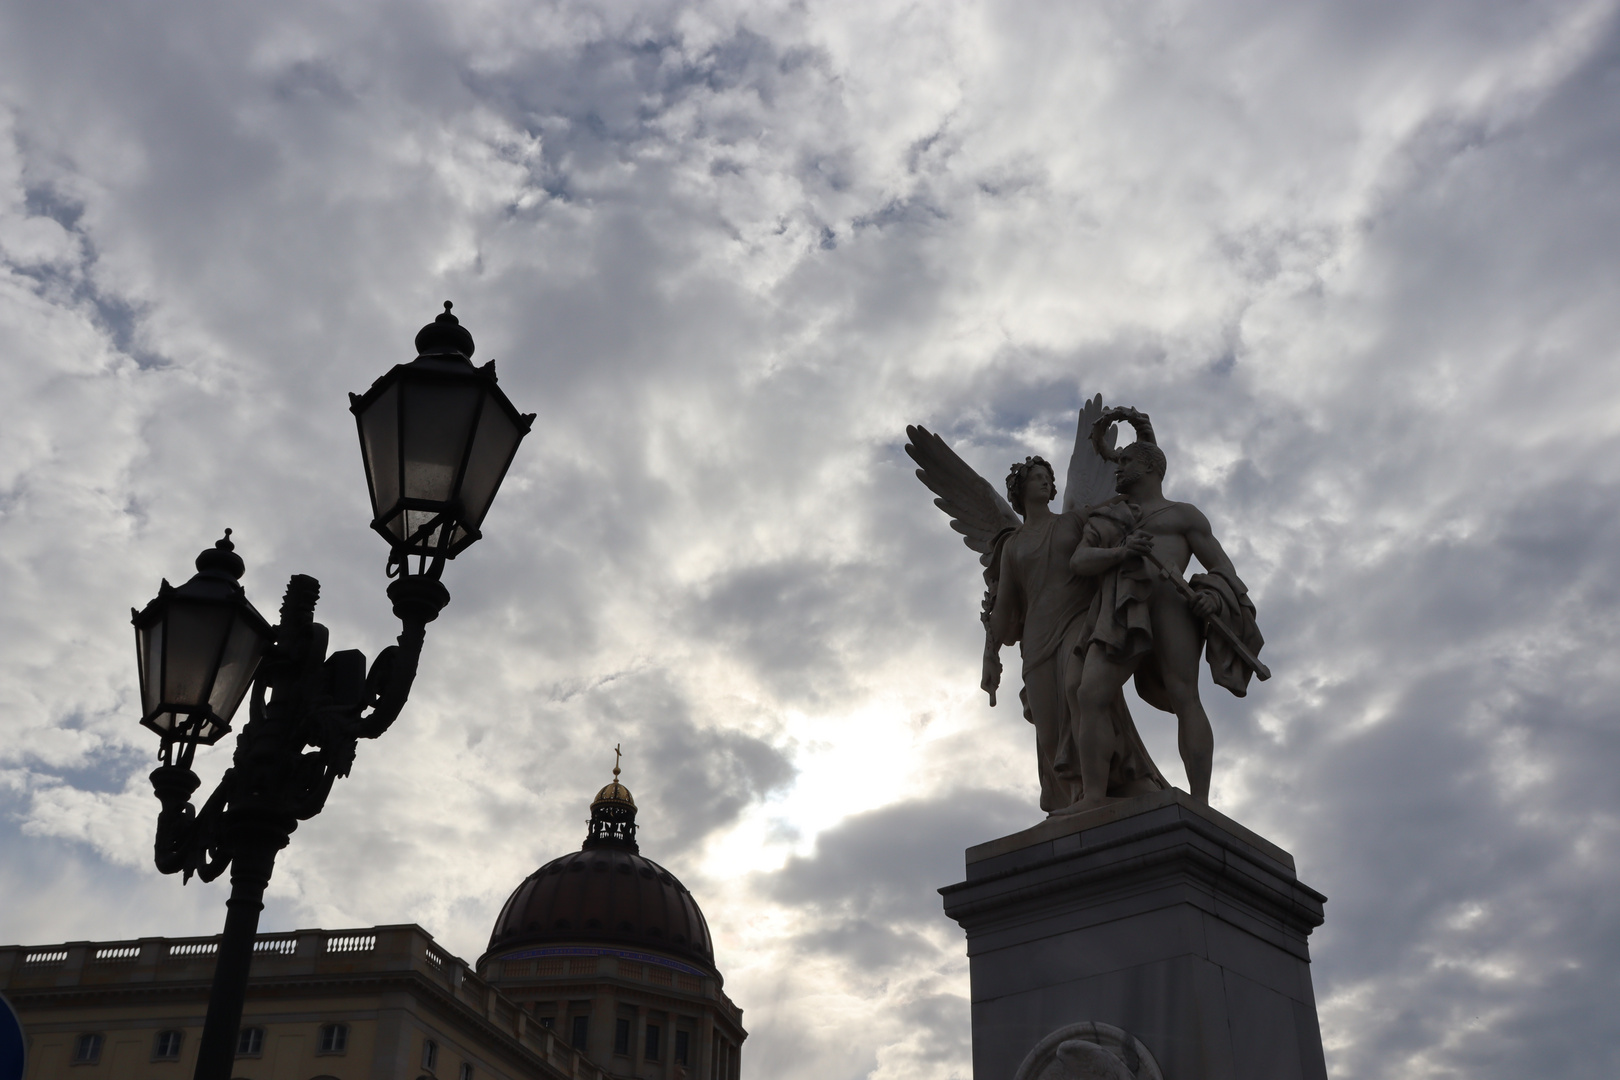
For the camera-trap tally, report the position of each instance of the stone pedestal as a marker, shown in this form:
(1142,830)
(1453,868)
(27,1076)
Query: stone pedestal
(1156,915)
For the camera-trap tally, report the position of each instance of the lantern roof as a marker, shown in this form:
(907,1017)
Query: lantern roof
(613,815)
(221,560)
(614,792)
(218,579)
(443,335)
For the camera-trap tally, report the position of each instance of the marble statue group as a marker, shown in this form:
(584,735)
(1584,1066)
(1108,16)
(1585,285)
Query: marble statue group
(1094,595)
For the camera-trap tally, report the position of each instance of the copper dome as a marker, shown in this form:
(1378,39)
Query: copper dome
(604,895)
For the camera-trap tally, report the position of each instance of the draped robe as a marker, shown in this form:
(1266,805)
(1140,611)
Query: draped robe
(1119,619)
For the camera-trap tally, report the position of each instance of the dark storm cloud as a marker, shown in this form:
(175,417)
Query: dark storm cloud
(871,879)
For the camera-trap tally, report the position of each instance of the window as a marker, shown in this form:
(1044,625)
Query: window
(466,1070)
(582,1028)
(683,1047)
(334,1038)
(621,1036)
(166,1047)
(652,1042)
(250,1042)
(87,1049)
(430,1054)
(548,1022)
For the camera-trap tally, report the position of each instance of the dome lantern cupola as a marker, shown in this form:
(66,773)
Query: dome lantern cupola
(613,815)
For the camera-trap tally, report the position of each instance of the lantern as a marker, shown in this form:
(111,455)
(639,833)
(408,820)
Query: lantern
(197,647)
(437,436)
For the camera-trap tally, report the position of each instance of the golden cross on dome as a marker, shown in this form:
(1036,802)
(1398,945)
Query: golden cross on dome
(616,753)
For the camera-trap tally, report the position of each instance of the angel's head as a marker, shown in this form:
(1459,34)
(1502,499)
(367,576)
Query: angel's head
(1033,480)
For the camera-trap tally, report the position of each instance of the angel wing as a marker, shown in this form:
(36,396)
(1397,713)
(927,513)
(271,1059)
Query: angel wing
(1091,479)
(977,510)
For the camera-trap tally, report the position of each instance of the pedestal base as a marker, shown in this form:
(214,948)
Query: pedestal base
(1156,915)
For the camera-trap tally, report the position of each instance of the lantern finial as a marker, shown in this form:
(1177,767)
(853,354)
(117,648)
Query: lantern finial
(222,559)
(444,335)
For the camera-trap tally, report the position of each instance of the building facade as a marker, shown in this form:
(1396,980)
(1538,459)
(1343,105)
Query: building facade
(600,967)
(382,1003)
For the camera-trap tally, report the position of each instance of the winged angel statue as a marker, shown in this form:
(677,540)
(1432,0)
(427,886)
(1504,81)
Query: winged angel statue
(1094,596)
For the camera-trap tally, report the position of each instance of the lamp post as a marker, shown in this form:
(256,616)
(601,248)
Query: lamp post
(437,436)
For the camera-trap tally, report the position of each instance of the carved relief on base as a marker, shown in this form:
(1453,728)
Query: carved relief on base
(1089,1051)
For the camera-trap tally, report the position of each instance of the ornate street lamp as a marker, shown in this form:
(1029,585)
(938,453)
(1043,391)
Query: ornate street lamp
(197,648)
(437,435)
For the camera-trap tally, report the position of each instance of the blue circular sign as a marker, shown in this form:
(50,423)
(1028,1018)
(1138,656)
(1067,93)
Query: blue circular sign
(13,1050)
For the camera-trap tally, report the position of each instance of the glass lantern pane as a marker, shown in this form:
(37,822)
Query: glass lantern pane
(412,520)
(207,730)
(149,643)
(379,437)
(197,633)
(493,446)
(438,421)
(242,654)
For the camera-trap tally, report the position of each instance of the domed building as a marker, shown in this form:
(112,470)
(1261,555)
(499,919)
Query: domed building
(609,950)
(600,967)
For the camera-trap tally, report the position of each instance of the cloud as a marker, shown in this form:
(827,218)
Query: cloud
(865,898)
(884,865)
(1355,260)
(860,910)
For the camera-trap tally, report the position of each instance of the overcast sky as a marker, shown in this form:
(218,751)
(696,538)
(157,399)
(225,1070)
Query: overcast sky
(1359,262)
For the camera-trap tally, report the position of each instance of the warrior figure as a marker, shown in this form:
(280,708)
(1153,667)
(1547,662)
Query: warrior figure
(1147,621)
